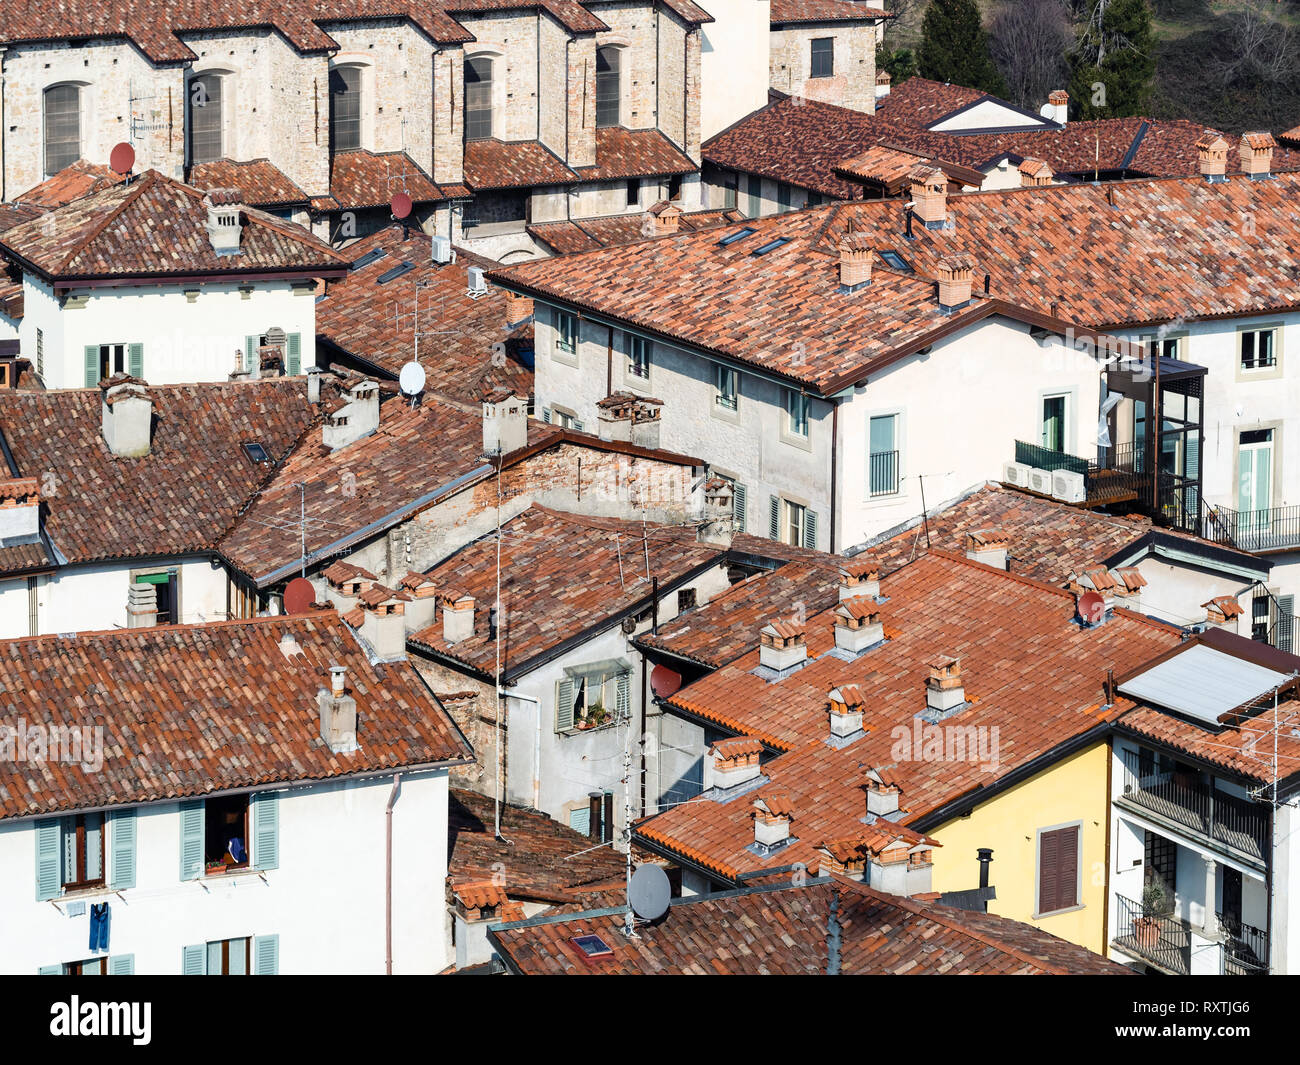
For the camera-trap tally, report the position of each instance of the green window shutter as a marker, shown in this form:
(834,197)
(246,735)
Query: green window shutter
(266,955)
(92,365)
(810,528)
(122,828)
(194,960)
(50,970)
(135,360)
(266,831)
(622,698)
(577,425)
(580,820)
(48,846)
(121,965)
(250,347)
(295,355)
(191,840)
(738,505)
(774,524)
(546,415)
(564,705)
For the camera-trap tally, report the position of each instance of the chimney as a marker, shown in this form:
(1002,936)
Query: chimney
(1129,582)
(955,275)
(343,584)
(944,688)
(1035,172)
(844,706)
(1222,612)
(338,713)
(855,260)
(773,814)
(357,418)
(883,794)
(517,308)
(861,577)
(384,622)
(127,416)
(882,84)
(421,608)
(989,547)
(1059,101)
(667,218)
(629,419)
(1212,151)
(313,384)
(985,857)
(929,193)
(645,422)
(733,762)
(718,525)
(224,227)
(781,646)
(457,617)
(857,624)
(20,510)
(505,422)
(141,606)
(1257,155)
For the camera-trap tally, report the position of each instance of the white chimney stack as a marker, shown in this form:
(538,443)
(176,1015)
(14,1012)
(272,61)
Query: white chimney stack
(457,617)
(861,577)
(338,713)
(127,418)
(844,706)
(989,547)
(224,224)
(781,645)
(505,422)
(944,688)
(773,814)
(883,794)
(857,624)
(733,762)
(357,418)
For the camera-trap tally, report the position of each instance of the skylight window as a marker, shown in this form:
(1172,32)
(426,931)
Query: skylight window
(371,256)
(740,234)
(771,245)
(592,946)
(394,272)
(895,261)
(257,453)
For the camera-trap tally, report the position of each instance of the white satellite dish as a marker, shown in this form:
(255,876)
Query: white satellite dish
(411,379)
(649,893)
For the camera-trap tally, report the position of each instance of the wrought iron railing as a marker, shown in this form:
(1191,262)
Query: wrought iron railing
(1245,948)
(1253,530)
(1115,479)
(1161,939)
(882,473)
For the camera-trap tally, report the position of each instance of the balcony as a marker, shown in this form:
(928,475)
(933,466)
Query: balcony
(1275,529)
(1119,479)
(1185,800)
(1177,946)
(882,473)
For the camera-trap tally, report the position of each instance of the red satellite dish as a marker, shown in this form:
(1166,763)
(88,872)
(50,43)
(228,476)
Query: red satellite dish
(401,205)
(1092,608)
(121,158)
(299,596)
(664,681)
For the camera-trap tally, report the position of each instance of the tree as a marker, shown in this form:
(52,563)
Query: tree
(955,47)
(899,62)
(1028,41)
(1113,60)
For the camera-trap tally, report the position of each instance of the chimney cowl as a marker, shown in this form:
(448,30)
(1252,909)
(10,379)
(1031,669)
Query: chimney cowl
(1212,153)
(860,577)
(1035,172)
(782,646)
(883,81)
(884,794)
(338,713)
(1256,150)
(505,422)
(945,689)
(1059,102)
(127,416)
(773,814)
(857,624)
(224,223)
(989,547)
(855,260)
(357,418)
(845,706)
(929,194)
(457,617)
(956,275)
(733,761)
(666,218)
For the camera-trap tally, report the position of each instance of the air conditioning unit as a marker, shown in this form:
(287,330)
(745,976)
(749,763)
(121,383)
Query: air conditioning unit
(1040,481)
(1016,473)
(442,250)
(1067,486)
(477,282)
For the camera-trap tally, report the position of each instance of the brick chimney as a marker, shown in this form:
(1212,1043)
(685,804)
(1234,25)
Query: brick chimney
(20,510)
(929,195)
(773,814)
(505,422)
(857,624)
(357,418)
(844,707)
(1212,153)
(517,308)
(988,546)
(224,224)
(733,762)
(718,526)
(457,617)
(883,793)
(859,577)
(1059,101)
(667,217)
(1035,172)
(855,260)
(344,583)
(781,645)
(882,84)
(944,688)
(127,416)
(338,713)
(955,273)
(628,418)
(384,621)
(421,608)
(1222,612)
(1256,151)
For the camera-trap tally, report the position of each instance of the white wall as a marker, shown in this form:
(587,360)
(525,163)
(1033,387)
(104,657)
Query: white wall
(325,901)
(988,114)
(733,62)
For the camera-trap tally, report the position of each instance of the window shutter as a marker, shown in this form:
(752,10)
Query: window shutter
(564,705)
(546,415)
(123,853)
(580,820)
(266,830)
(810,528)
(266,955)
(295,355)
(1049,858)
(1068,882)
(135,360)
(1285,626)
(92,365)
(577,425)
(50,970)
(194,960)
(623,701)
(47,859)
(774,524)
(250,346)
(738,505)
(121,965)
(191,840)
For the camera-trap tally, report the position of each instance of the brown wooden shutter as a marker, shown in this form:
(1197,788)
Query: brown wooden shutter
(1068,881)
(1048,860)
(1058,870)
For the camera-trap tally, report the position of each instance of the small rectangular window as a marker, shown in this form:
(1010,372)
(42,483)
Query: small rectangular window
(638,357)
(796,412)
(793,532)
(83,851)
(1258,349)
(634,192)
(729,186)
(771,245)
(685,600)
(229,957)
(566,332)
(728,386)
(895,261)
(394,272)
(740,234)
(823,57)
(882,459)
(345,109)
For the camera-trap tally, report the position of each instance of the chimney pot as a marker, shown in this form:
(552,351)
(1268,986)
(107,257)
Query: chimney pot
(929,193)
(781,645)
(667,218)
(224,222)
(855,259)
(1212,152)
(883,794)
(883,81)
(732,762)
(773,814)
(1257,155)
(956,274)
(338,679)
(338,714)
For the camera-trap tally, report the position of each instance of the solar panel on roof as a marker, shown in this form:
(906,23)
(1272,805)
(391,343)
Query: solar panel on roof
(740,234)
(368,258)
(771,245)
(394,272)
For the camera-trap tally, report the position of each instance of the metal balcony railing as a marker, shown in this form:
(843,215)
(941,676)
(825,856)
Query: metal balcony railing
(1162,939)
(1245,950)
(882,473)
(1117,479)
(1253,530)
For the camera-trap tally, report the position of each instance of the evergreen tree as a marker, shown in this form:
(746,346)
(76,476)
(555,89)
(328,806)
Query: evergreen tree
(899,62)
(955,48)
(1113,60)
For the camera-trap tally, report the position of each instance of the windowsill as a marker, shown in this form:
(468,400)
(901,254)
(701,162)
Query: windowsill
(1056,913)
(238,872)
(803,443)
(76,894)
(725,413)
(885,497)
(575,731)
(564,358)
(634,381)
(229,870)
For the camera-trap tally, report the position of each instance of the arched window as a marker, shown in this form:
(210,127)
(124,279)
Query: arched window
(62,127)
(205,118)
(345,109)
(478,99)
(608,95)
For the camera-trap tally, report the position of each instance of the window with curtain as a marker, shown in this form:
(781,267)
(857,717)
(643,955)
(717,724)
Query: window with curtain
(478,99)
(608,88)
(62,127)
(345,109)
(83,851)
(205,118)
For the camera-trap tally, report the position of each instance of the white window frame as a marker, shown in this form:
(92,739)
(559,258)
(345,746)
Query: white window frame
(794,397)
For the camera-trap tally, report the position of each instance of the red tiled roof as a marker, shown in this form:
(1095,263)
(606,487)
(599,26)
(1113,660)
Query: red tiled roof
(71,183)
(494,164)
(192,709)
(156,227)
(625,153)
(259,182)
(796,11)
(1245,748)
(566,238)
(787,931)
(361,179)
(921,102)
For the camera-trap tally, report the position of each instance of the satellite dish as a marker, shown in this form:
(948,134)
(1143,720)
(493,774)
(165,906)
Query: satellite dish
(411,379)
(1092,608)
(121,158)
(664,681)
(401,205)
(1047,111)
(649,892)
(299,596)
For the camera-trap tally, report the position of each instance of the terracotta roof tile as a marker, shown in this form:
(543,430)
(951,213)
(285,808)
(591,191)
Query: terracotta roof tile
(796,11)
(71,183)
(360,179)
(625,153)
(260,183)
(921,102)
(583,234)
(494,164)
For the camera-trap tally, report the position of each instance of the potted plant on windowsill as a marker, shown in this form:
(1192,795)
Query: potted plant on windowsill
(214,868)
(1155,904)
(597,715)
